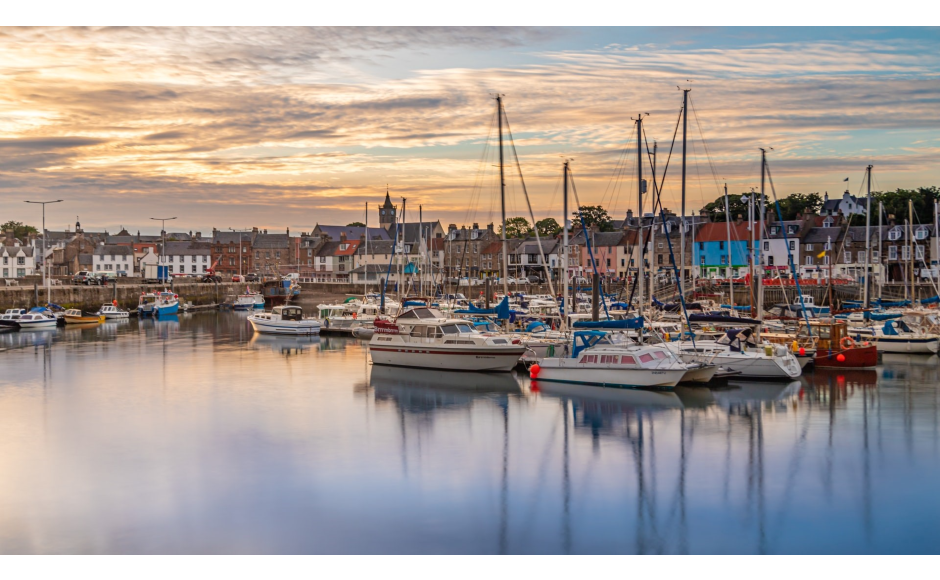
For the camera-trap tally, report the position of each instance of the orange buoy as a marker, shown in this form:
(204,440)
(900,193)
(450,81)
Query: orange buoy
(840,357)
(534,371)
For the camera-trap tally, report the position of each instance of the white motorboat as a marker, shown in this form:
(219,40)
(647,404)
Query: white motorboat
(738,351)
(354,313)
(158,304)
(37,318)
(284,320)
(248,301)
(112,312)
(897,337)
(10,317)
(423,337)
(596,360)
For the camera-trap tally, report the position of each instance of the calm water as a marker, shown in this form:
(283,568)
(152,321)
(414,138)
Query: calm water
(193,436)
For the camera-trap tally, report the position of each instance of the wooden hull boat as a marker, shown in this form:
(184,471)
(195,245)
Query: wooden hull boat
(857,357)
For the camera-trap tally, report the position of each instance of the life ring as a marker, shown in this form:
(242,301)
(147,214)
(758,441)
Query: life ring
(847,342)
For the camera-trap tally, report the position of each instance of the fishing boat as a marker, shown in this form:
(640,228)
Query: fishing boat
(10,317)
(76,316)
(423,337)
(112,312)
(248,301)
(158,303)
(284,320)
(596,359)
(279,291)
(836,349)
(39,318)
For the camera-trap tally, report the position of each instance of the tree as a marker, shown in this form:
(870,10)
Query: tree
(594,215)
(737,205)
(895,203)
(20,230)
(806,204)
(547,227)
(356,225)
(517,227)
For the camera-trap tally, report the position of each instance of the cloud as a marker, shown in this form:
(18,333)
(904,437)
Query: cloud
(317,120)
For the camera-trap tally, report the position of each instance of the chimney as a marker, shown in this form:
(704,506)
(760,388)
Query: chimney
(288,232)
(265,231)
(199,235)
(799,216)
(476,226)
(891,220)
(630,217)
(451,227)
(489,227)
(342,236)
(738,221)
(254,230)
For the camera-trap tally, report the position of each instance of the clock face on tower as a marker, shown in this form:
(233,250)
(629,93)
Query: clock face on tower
(383,212)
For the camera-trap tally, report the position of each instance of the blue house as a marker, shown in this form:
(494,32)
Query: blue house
(710,250)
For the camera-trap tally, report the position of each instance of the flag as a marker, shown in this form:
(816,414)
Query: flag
(821,254)
(846,179)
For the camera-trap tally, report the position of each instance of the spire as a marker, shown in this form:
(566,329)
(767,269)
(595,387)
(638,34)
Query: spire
(388,200)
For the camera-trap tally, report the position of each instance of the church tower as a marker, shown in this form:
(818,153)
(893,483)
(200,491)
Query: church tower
(387,212)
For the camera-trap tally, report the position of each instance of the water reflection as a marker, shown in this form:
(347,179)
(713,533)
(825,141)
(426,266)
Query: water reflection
(193,434)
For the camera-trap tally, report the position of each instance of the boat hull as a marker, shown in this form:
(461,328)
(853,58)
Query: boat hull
(285,327)
(700,375)
(27,324)
(569,370)
(907,345)
(83,319)
(860,357)
(432,356)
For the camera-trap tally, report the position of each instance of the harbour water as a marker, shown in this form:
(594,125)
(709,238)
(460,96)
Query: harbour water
(192,435)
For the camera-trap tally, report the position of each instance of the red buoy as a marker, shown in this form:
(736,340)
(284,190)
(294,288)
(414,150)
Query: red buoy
(840,357)
(534,371)
(802,351)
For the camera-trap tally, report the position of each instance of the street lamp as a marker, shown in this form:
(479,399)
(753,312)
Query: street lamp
(45,280)
(163,232)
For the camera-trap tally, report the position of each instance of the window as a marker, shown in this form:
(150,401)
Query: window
(721,245)
(827,223)
(919,252)
(659,246)
(646,357)
(244,249)
(231,262)
(608,262)
(920,234)
(124,258)
(809,260)
(905,253)
(792,245)
(701,246)
(724,260)
(277,254)
(622,262)
(203,268)
(627,360)
(659,259)
(194,269)
(170,269)
(848,257)
(204,258)
(309,253)
(309,262)
(21,272)
(770,260)
(112,257)
(893,253)
(20,261)
(826,260)
(791,229)
(774,230)
(766,246)
(6,260)
(231,250)
(257,255)
(588,358)
(608,359)
(701,260)
(826,246)
(894,235)
(809,247)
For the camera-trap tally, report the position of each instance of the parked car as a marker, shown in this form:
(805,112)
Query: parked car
(251,278)
(238,278)
(534,279)
(85,277)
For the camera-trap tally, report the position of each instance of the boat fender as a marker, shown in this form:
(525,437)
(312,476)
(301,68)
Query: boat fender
(355,315)
(515,341)
(840,357)
(781,350)
(802,351)
(769,350)
(847,342)
(534,371)
(796,347)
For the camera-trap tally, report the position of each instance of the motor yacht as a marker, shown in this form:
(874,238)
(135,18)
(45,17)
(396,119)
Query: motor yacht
(112,312)
(39,318)
(284,320)
(423,337)
(597,359)
(10,317)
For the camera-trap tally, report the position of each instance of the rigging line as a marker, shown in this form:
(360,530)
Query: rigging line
(617,173)
(708,156)
(538,240)
(672,256)
(786,241)
(615,195)
(587,241)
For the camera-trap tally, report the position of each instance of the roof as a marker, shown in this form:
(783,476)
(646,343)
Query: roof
(718,232)
(15,250)
(114,250)
(188,249)
(823,235)
(411,230)
(352,232)
(86,259)
(376,247)
(271,242)
(220,237)
(332,248)
(531,246)
(784,227)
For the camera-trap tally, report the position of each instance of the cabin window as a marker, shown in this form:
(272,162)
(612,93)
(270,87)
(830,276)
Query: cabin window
(609,359)
(646,357)
(449,329)
(419,331)
(627,360)
(588,358)
(660,354)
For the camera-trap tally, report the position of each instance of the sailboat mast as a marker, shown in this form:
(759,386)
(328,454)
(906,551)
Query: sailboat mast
(502,197)
(881,209)
(639,205)
(652,251)
(730,270)
(910,237)
(760,236)
(685,122)
(564,249)
(866,297)
(365,255)
(421,249)
(402,257)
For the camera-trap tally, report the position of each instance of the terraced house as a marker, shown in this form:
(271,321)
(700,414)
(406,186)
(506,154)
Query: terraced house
(231,248)
(17,261)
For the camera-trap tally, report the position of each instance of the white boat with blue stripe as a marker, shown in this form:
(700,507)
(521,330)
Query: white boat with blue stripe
(284,320)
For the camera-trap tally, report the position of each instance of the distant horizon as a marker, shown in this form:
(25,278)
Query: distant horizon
(290,127)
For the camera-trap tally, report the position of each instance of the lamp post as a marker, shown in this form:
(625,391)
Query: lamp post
(241,256)
(163,233)
(45,280)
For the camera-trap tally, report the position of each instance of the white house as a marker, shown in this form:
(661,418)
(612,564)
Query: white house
(188,257)
(17,261)
(113,260)
(783,244)
(848,205)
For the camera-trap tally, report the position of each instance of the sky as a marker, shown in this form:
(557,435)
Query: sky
(290,127)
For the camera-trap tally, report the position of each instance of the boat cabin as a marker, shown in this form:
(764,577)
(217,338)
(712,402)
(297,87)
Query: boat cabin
(828,334)
(288,312)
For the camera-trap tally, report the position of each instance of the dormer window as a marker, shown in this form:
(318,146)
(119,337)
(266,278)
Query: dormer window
(342,247)
(921,234)
(827,223)
(791,229)
(775,230)
(895,234)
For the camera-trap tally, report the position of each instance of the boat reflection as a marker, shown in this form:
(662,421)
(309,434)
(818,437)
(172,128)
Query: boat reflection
(623,398)
(285,345)
(435,386)
(28,337)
